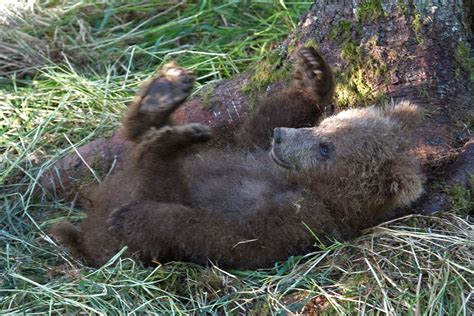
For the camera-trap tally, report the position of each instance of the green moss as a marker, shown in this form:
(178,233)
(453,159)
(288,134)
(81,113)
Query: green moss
(269,71)
(469,120)
(370,10)
(354,84)
(311,43)
(463,198)
(417,25)
(206,96)
(291,48)
(462,55)
(402,6)
(246,88)
(341,32)
(350,52)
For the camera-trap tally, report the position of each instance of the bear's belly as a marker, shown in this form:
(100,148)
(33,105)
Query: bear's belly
(239,195)
(237,184)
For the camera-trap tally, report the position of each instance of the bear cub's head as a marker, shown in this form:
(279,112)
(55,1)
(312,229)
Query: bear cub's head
(359,157)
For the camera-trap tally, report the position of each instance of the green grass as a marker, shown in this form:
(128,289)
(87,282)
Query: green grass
(66,71)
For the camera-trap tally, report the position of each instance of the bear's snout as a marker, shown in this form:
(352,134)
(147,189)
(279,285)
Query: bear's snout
(281,134)
(278,146)
(277,135)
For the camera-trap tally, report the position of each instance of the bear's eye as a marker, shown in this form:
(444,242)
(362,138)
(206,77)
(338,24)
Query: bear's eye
(324,150)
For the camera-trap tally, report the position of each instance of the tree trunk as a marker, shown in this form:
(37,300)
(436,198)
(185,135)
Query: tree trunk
(381,51)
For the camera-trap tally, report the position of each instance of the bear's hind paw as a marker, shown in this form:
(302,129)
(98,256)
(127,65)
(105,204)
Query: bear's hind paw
(166,92)
(314,76)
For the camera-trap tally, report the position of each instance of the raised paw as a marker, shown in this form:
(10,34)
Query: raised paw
(314,76)
(170,140)
(165,93)
(311,64)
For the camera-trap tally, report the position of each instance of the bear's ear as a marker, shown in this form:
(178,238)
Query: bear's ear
(406,113)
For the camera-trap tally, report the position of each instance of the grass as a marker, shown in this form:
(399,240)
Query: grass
(66,70)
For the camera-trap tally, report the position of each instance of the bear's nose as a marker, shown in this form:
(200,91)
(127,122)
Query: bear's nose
(277,135)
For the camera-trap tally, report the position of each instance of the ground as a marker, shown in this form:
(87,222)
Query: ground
(98,55)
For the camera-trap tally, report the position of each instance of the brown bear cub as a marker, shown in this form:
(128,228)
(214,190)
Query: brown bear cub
(242,205)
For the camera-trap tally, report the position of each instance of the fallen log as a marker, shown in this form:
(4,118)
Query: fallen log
(381,51)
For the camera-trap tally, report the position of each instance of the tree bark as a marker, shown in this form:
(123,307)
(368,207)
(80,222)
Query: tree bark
(381,51)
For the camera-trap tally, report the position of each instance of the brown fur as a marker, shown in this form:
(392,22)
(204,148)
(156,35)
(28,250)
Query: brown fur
(240,207)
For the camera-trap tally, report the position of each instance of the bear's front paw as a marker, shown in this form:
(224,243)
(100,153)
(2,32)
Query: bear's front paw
(166,92)
(120,220)
(195,132)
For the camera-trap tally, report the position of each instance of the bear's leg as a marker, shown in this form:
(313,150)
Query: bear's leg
(68,235)
(169,142)
(157,159)
(301,105)
(168,232)
(91,243)
(157,99)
